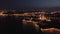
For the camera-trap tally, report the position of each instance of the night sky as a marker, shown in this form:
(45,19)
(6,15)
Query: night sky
(29,3)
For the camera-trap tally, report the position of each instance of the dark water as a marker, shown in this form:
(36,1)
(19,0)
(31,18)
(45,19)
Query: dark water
(10,24)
